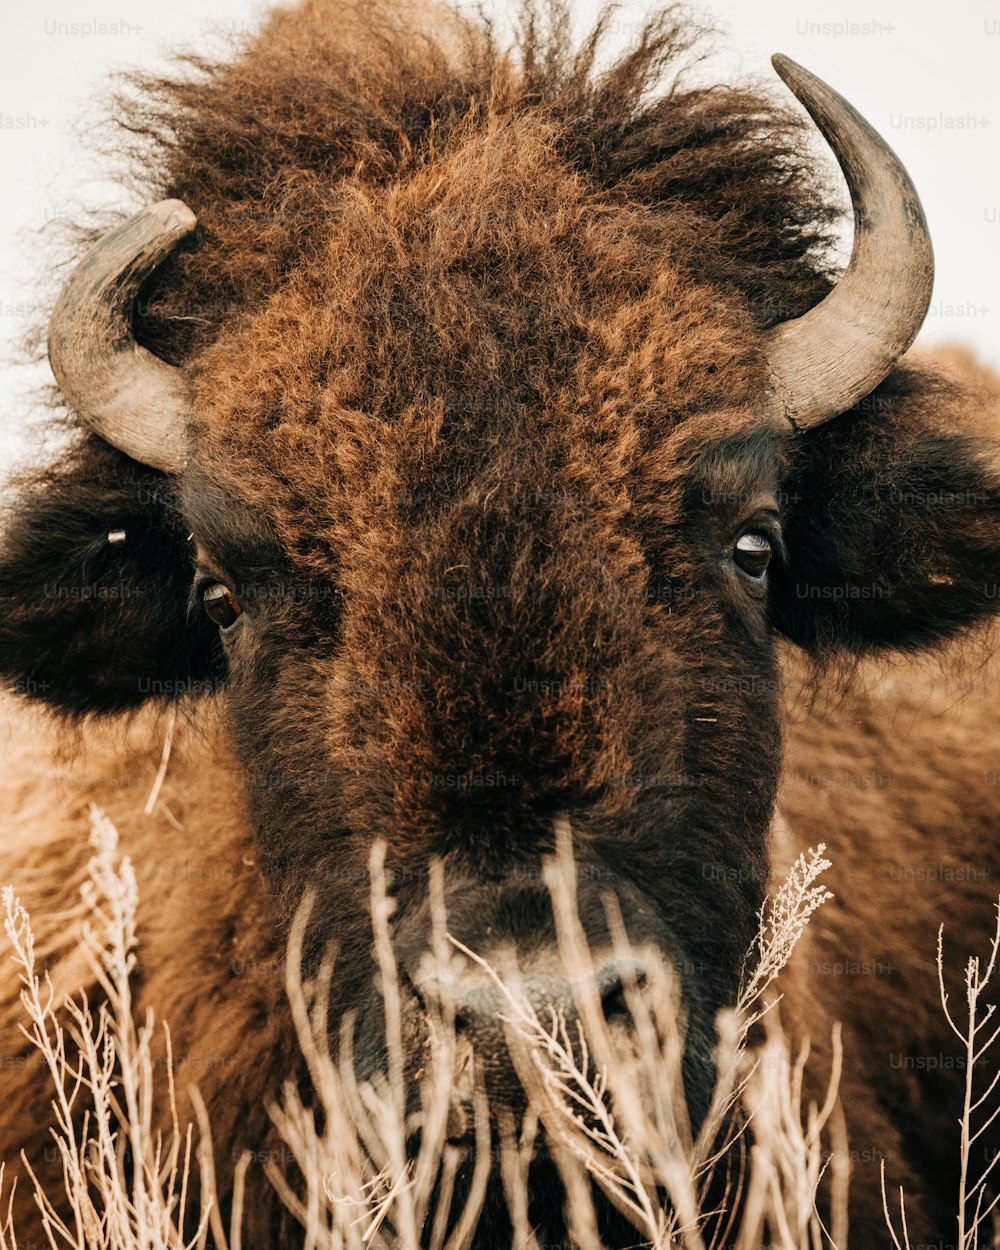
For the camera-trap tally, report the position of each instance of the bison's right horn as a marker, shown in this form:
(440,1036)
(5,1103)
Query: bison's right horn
(823,362)
(131,398)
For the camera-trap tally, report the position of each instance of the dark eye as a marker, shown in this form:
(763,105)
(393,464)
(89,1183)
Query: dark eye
(752,554)
(220,605)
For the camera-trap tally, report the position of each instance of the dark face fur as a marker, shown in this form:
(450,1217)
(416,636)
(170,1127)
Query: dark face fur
(493,578)
(478,462)
(522,666)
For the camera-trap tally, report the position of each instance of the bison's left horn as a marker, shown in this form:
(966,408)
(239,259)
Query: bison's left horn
(130,397)
(822,363)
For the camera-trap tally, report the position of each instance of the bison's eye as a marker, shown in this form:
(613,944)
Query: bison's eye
(752,553)
(220,604)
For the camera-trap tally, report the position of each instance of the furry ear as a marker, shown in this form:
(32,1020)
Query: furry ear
(90,620)
(892,522)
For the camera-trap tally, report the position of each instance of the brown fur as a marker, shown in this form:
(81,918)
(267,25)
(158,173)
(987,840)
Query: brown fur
(899,780)
(200,892)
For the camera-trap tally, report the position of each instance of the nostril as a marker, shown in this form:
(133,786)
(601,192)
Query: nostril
(617,991)
(614,1004)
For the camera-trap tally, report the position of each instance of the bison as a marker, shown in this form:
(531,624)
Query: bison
(475,440)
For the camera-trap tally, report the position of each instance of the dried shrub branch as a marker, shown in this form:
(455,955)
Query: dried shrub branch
(374,1166)
(125,1184)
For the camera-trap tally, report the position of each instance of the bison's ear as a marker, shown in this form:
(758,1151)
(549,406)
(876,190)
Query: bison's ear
(892,520)
(95,580)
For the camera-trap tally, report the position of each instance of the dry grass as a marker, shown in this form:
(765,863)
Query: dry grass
(609,1105)
(126,1185)
(977,1031)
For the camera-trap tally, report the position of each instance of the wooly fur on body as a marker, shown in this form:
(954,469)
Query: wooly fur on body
(899,778)
(476,341)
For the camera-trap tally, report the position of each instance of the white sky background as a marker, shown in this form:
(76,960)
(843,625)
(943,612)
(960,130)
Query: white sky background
(926,76)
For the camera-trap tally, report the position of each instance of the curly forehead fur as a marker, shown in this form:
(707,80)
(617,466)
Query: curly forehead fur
(338,105)
(455,345)
(532,235)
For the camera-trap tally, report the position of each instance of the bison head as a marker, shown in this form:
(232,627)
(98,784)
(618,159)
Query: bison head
(485,520)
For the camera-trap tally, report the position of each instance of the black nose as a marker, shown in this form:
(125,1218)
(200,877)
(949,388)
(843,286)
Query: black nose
(487,1020)
(483,1010)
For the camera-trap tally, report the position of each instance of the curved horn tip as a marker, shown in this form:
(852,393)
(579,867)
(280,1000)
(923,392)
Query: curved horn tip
(784,65)
(174,214)
(809,89)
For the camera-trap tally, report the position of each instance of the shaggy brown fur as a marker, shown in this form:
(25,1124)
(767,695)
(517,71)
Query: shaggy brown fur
(476,341)
(201,894)
(899,779)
